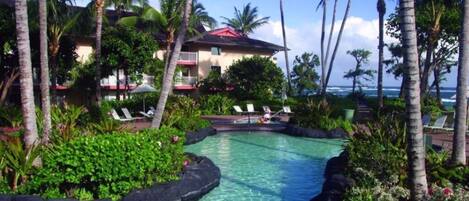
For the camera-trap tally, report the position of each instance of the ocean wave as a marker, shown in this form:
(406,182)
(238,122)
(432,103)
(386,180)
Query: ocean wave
(446,100)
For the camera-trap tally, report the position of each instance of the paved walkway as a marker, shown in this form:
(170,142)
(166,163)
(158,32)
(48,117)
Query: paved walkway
(445,140)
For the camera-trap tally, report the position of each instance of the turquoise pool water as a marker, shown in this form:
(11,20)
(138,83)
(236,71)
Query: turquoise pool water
(266,165)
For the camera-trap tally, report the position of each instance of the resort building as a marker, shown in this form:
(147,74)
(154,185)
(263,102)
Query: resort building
(214,50)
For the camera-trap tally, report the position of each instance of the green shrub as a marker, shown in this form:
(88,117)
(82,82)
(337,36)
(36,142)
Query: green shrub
(216,104)
(183,113)
(66,124)
(326,115)
(109,166)
(255,78)
(11,116)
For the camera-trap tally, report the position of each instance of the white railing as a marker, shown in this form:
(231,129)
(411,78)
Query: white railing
(188,56)
(185,81)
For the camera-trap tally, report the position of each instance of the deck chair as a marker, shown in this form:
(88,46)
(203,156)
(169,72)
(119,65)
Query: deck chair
(128,115)
(439,123)
(287,110)
(266,109)
(146,114)
(117,117)
(250,108)
(152,109)
(426,119)
(238,109)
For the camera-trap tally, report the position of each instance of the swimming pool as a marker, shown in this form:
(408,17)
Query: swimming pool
(266,165)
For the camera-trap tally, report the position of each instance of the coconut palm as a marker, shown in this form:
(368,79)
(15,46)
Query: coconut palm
(381,7)
(285,49)
(246,21)
(26,74)
(61,21)
(415,147)
(168,79)
(326,63)
(459,138)
(44,64)
(99,4)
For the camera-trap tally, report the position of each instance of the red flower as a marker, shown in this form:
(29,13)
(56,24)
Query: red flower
(430,191)
(175,139)
(448,192)
(186,163)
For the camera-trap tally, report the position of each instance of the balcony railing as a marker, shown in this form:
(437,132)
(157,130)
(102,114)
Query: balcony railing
(188,57)
(185,81)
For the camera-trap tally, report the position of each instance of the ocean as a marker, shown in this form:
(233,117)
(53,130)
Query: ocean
(393,92)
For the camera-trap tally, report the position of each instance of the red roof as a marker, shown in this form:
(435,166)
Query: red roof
(227,31)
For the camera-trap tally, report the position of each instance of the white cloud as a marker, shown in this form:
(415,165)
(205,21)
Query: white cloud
(358,33)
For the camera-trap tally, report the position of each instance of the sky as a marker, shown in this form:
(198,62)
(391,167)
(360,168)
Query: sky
(303,29)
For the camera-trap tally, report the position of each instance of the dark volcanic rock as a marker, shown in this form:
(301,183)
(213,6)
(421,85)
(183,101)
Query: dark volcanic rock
(26,198)
(337,183)
(337,133)
(5,198)
(198,179)
(201,134)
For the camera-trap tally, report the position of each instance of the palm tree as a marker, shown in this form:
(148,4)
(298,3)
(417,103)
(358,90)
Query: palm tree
(415,147)
(99,4)
(246,21)
(168,79)
(326,62)
(381,7)
(62,20)
(285,49)
(459,138)
(26,74)
(44,63)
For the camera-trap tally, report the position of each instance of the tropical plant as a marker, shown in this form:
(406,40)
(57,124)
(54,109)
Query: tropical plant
(216,104)
(416,149)
(171,67)
(304,75)
(11,116)
(460,125)
(26,74)
(245,21)
(106,126)
(255,78)
(215,82)
(65,122)
(361,57)
(8,55)
(325,62)
(19,161)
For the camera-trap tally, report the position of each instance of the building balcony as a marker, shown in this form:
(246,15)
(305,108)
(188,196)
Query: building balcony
(187,58)
(185,83)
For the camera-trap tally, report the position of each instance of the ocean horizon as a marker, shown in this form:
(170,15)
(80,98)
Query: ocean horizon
(392,92)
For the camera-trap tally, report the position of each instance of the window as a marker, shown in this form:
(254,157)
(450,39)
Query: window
(216,51)
(216,69)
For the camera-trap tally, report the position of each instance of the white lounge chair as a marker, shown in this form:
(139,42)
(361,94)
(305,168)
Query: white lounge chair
(287,110)
(426,119)
(238,109)
(129,116)
(117,117)
(250,108)
(146,115)
(439,123)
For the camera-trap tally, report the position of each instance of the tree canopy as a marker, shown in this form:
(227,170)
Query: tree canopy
(304,75)
(255,78)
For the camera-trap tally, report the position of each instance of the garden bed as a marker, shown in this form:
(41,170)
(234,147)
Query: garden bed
(197,179)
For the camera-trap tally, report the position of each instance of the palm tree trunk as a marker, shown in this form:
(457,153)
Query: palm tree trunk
(381,7)
(323,34)
(168,80)
(459,138)
(285,49)
(45,98)
(331,32)
(331,63)
(436,74)
(416,147)
(26,74)
(426,68)
(99,25)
